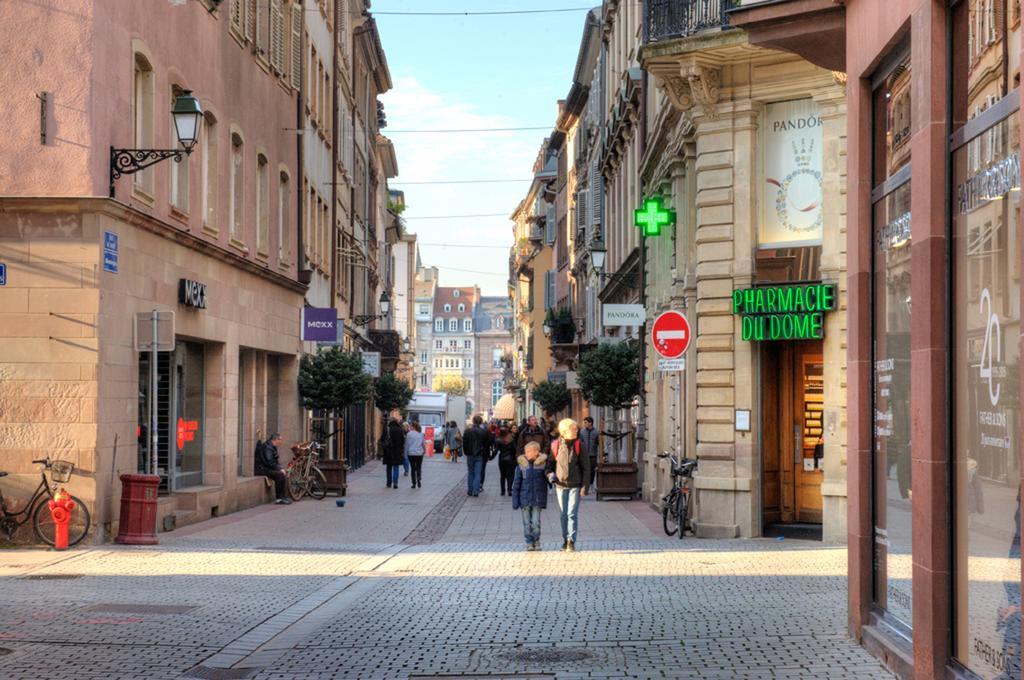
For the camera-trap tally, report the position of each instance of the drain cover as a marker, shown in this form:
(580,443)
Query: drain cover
(50,577)
(140,608)
(209,673)
(547,655)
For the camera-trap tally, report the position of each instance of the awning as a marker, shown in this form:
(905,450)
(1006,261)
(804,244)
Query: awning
(505,409)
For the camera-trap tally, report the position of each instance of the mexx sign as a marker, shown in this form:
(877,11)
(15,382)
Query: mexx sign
(192,293)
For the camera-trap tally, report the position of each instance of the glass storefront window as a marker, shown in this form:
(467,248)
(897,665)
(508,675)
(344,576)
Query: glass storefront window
(892,489)
(189,411)
(890,308)
(986,392)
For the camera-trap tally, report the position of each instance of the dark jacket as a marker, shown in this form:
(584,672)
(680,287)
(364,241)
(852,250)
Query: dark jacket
(579,466)
(266,459)
(476,441)
(452,438)
(588,440)
(532,434)
(393,444)
(530,486)
(506,451)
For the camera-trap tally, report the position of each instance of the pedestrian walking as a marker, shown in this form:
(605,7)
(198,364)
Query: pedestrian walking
(505,445)
(488,451)
(267,463)
(590,446)
(569,471)
(393,448)
(475,445)
(530,492)
(453,440)
(531,432)
(406,427)
(414,450)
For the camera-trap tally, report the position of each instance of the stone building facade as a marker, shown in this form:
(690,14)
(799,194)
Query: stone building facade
(492,326)
(747,148)
(454,349)
(81,266)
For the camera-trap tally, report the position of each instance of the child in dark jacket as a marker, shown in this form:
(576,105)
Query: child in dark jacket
(530,492)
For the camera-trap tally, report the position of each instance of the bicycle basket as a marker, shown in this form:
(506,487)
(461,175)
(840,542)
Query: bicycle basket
(60,471)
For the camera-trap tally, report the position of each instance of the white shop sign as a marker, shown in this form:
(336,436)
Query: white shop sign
(623,315)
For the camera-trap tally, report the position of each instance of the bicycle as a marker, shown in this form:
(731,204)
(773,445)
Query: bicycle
(38,509)
(304,477)
(675,506)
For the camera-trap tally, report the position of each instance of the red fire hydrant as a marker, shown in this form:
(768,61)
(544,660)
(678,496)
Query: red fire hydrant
(60,508)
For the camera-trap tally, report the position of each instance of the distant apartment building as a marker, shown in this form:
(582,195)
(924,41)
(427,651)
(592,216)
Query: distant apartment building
(426,282)
(453,351)
(492,323)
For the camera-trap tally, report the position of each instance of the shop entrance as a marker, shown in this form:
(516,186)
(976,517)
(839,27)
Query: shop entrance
(792,398)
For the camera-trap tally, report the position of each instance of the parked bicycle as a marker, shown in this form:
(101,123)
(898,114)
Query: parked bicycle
(37,509)
(304,477)
(675,506)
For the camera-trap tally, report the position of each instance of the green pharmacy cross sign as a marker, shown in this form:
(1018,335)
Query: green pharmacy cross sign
(653,216)
(794,312)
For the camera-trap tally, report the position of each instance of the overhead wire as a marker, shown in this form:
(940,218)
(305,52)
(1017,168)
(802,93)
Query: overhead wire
(461,130)
(466,181)
(484,13)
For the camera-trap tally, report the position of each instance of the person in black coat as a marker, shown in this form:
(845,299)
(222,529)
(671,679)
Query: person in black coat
(393,451)
(505,446)
(268,464)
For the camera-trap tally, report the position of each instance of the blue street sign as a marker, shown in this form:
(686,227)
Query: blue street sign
(110,254)
(3,274)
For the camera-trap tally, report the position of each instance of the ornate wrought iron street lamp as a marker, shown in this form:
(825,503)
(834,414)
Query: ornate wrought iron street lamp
(188,115)
(385,307)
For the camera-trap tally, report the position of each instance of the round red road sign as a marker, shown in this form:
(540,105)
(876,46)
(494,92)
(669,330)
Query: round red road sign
(671,334)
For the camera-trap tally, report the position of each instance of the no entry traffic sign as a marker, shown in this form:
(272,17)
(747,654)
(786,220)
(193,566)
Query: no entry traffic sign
(671,334)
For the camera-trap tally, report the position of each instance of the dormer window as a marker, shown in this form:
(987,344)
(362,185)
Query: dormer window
(455,293)
(447,308)
(462,307)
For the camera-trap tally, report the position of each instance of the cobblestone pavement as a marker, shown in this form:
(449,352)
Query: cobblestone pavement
(427,583)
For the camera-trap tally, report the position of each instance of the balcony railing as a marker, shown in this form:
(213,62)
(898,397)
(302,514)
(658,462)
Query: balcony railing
(679,18)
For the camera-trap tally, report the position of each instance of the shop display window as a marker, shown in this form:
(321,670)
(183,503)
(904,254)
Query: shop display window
(891,313)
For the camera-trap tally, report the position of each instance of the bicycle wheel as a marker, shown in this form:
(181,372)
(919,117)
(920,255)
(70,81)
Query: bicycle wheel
(296,484)
(317,484)
(78,527)
(669,516)
(683,511)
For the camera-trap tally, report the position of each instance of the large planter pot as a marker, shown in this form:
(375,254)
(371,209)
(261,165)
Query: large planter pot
(620,480)
(336,474)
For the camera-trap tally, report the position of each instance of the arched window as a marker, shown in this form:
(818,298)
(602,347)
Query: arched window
(209,178)
(143,101)
(439,325)
(447,308)
(237,188)
(262,205)
(467,325)
(455,293)
(453,325)
(462,307)
(284,216)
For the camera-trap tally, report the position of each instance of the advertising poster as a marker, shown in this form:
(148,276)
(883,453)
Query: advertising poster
(791,193)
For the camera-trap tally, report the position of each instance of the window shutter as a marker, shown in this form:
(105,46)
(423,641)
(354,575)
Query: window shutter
(250,19)
(237,12)
(276,36)
(295,72)
(582,201)
(549,225)
(263,28)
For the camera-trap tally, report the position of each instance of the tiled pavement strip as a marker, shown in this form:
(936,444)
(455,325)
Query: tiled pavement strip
(428,583)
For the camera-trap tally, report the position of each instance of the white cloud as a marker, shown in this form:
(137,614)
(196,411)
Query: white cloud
(458,156)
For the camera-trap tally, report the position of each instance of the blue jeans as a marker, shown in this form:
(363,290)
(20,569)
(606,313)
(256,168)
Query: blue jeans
(405,464)
(568,511)
(392,475)
(474,465)
(531,524)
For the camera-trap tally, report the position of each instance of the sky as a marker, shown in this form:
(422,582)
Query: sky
(458,72)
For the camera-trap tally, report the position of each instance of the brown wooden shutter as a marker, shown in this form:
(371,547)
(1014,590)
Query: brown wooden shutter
(237,15)
(250,19)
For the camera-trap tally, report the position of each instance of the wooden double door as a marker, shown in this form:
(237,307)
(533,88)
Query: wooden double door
(792,410)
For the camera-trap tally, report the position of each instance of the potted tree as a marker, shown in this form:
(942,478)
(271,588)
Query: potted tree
(609,376)
(332,380)
(552,397)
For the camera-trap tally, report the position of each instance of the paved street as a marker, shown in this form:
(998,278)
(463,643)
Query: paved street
(428,583)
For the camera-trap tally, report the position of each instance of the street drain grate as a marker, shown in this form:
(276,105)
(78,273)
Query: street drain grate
(210,673)
(50,577)
(546,655)
(140,608)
